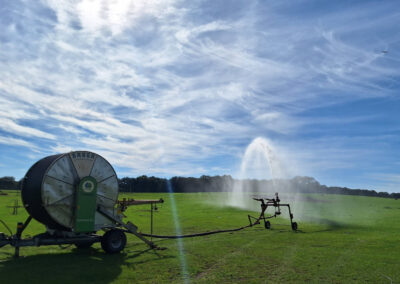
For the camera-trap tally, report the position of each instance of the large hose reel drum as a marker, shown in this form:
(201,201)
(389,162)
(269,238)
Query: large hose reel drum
(64,191)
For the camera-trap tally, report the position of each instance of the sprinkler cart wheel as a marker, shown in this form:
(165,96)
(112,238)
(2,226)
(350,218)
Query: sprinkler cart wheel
(267,225)
(113,241)
(294,226)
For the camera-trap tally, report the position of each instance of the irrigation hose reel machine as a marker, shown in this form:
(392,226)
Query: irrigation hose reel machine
(75,195)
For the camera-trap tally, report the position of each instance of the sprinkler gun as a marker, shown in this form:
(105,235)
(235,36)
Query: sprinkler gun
(124,203)
(274,202)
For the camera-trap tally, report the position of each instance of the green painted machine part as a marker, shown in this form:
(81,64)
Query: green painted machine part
(85,210)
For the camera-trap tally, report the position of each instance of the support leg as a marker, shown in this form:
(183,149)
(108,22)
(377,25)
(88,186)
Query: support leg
(151,222)
(20,228)
(290,215)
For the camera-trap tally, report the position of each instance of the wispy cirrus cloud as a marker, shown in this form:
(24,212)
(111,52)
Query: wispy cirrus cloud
(14,141)
(167,87)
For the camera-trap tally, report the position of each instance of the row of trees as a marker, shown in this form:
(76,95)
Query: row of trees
(8,183)
(224,184)
(227,183)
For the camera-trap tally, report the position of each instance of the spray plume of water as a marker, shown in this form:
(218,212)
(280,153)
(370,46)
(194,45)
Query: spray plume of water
(178,231)
(262,161)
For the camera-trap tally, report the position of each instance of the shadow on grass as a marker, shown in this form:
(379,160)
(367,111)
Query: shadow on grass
(331,225)
(323,225)
(76,266)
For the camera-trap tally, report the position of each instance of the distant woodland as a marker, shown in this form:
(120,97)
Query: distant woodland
(225,183)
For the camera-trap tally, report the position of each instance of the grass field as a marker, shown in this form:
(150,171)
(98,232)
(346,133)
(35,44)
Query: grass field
(341,239)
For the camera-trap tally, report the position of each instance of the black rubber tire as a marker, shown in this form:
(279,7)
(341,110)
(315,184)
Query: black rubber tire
(294,226)
(267,225)
(84,245)
(113,241)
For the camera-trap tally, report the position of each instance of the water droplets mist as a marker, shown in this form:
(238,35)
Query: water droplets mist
(262,161)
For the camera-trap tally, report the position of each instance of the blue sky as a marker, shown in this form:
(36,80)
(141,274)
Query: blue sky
(182,87)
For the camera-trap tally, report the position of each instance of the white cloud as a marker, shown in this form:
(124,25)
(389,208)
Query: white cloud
(16,142)
(15,128)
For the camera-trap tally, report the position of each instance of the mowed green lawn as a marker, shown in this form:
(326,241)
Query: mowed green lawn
(341,239)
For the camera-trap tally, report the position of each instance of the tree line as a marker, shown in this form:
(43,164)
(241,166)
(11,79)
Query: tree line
(224,183)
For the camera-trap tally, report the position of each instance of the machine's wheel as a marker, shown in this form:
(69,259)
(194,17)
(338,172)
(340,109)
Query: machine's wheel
(113,241)
(84,245)
(267,225)
(294,226)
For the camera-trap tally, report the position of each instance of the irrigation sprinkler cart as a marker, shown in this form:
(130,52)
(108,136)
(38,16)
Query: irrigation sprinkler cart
(274,202)
(75,195)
